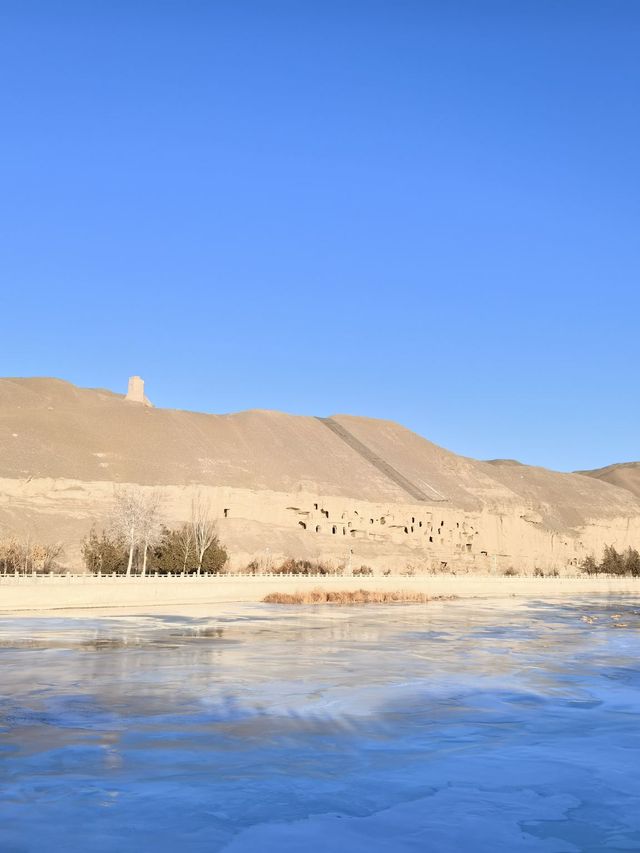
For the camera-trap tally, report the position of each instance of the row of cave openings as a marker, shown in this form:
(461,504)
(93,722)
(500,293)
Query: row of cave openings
(336,527)
(414,526)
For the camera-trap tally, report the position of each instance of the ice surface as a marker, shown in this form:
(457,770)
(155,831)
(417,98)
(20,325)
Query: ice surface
(447,727)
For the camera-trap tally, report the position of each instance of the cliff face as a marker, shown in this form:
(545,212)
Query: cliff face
(342,489)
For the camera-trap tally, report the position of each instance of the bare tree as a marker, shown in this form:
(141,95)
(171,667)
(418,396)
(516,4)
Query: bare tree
(149,524)
(43,557)
(26,553)
(135,521)
(202,527)
(27,556)
(10,552)
(185,542)
(5,555)
(128,515)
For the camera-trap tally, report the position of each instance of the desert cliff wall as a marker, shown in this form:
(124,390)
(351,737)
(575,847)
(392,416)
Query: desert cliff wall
(268,526)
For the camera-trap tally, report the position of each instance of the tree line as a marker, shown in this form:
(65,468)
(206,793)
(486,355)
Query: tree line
(614,563)
(26,557)
(137,541)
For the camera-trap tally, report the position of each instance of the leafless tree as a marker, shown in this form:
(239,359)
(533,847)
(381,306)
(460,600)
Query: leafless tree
(26,551)
(135,520)
(25,555)
(202,527)
(10,554)
(149,524)
(128,514)
(185,541)
(43,557)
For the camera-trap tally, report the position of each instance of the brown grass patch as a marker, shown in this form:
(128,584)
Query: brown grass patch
(358,596)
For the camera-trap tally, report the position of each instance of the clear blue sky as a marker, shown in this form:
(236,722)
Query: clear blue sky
(423,211)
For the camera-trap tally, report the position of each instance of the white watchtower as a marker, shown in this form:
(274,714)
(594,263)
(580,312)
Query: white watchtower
(135,393)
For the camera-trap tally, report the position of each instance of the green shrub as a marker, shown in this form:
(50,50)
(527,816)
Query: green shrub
(304,567)
(613,563)
(175,553)
(106,553)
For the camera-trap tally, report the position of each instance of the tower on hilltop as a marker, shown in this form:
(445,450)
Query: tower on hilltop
(135,392)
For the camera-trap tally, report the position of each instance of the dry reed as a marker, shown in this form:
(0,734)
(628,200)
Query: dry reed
(358,596)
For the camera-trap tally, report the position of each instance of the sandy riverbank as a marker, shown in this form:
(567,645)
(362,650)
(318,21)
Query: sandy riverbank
(110,595)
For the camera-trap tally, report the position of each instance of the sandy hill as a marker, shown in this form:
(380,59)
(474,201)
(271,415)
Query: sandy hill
(52,429)
(63,438)
(625,475)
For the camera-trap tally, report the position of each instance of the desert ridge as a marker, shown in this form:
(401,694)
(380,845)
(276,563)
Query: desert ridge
(345,490)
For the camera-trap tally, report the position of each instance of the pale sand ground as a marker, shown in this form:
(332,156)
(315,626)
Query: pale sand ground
(197,596)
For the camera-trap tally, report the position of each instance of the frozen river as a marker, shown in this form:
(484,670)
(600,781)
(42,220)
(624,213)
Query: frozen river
(457,726)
